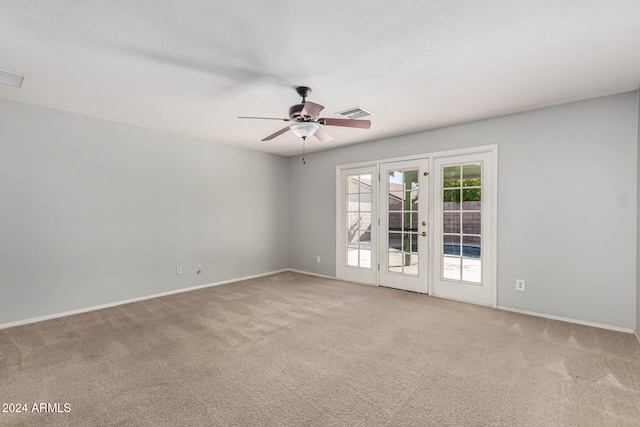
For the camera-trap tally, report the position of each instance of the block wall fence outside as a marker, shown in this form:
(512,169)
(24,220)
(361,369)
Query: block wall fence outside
(471,221)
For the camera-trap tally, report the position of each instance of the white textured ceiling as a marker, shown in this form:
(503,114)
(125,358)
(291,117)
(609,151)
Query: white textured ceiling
(192,66)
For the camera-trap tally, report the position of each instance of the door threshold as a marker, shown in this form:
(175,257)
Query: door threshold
(404,290)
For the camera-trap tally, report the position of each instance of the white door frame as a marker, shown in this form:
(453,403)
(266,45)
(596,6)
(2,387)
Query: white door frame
(492,250)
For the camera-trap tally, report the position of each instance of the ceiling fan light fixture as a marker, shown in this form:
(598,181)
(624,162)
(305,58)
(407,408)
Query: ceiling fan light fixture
(304,129)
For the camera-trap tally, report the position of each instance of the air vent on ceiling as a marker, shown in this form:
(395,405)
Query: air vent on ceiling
(11,78)
(354,113)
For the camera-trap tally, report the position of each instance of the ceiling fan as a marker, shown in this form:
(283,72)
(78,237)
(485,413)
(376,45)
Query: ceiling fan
(306,120)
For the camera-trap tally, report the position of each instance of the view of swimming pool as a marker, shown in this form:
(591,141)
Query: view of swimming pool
(469,251)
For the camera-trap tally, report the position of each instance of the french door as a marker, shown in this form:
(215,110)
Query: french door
(357,229)
(463,228)
(404,225)
(400,227)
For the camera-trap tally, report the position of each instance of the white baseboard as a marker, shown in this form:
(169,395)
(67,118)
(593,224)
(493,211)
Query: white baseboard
(293,270)
(567,319)
(193,288)
(127,301)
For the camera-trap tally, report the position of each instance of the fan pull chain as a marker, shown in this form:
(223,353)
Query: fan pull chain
(304,140)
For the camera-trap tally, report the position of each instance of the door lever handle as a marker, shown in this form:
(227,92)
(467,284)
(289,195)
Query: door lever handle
(424,233)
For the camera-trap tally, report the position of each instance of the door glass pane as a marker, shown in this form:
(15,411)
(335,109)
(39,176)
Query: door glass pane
(411,264)
(395,221)
(395,200)
(471,246)
(365,238)
(365,183)
(353,220)
(471,199)
(394,253)
(451,268)
(353,236)
(451,222)
(471,175)
(451,245)
(451,175)
(352,185)
(471,222)
(395,241)
(365,221)
(365,258)
(471,270)
(365,202)
(411,178)
(451,199)
(352,254)
(410,221)
(410,242)
(413,194)
(353,202)
(396,176)
(411,254)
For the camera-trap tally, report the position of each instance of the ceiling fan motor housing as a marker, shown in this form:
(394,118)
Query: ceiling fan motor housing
(294,111)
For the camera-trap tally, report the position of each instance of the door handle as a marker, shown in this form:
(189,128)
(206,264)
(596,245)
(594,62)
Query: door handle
(424,233)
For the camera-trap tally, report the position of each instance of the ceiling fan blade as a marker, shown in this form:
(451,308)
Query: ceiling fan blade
(265,118)
(322,135)
(280,132)
(361,124)
(311,109)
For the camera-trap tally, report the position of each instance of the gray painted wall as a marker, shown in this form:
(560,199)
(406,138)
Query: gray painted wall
(94,212)
(566,204)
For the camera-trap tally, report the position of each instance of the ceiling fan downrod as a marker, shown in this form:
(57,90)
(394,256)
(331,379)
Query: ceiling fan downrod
(303,91)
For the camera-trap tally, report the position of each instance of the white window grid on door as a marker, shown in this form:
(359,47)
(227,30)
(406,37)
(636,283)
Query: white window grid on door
(402,257)
(462,216)
(359,221)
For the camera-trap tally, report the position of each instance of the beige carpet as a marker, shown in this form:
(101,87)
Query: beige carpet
(296,350)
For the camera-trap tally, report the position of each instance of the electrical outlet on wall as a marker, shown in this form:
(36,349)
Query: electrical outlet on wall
(520,285)
(318,259)
(178,270)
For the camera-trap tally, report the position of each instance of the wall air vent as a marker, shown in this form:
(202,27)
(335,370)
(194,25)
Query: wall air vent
(10,78)
(354,113)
